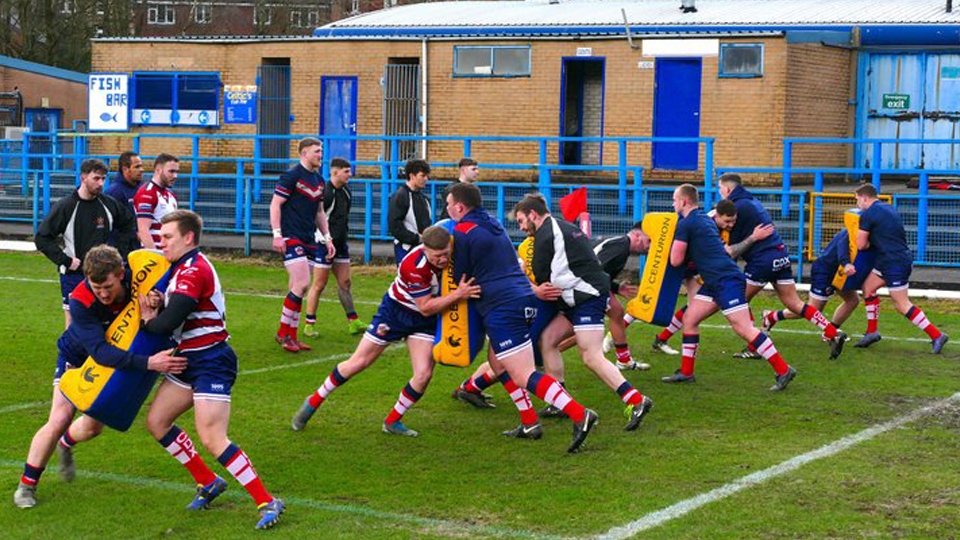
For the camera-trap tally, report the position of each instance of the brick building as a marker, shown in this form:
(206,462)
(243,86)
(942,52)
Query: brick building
(50,98)
(745,76)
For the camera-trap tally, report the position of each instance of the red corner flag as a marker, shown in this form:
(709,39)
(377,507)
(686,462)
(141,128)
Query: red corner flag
(572,205)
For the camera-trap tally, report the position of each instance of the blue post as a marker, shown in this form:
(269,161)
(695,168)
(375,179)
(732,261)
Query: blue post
(875,165)
(384,207)
(194,161)
(800,237)
(817,224)
(501,203)
(394,160)
(622,178)
(637,194)
(78,157)
(787,176)
(247,212)
(240,196)
(544,182)
(24,162)
(367,220)
(257,167)
(46,186)
(708,173)
(922,204)
(35,211)
(467,147)
(136,144)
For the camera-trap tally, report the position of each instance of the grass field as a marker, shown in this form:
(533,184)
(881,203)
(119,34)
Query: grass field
(343,478)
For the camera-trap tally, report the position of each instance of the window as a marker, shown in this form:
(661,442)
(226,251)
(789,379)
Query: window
(743,60)
(498,61)
(161,14)
(313,19)
(262,15)
(182,99)
(203,13)
(68,7)
(296,19)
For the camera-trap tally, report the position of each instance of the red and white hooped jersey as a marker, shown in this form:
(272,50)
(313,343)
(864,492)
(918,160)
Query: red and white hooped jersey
(206,326)
(153,202)
(416,277)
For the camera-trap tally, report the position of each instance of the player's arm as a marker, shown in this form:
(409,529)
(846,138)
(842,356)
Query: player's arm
(863,240)
(46,239)
(323,224)
(760,232)
(678,253)
(164,322)
(430,305)
(89,331)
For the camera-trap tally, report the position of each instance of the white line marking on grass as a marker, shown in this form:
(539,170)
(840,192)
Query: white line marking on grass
(452,527)
(779,330)
(22,406)
(296,364)
(655,519)
(29,280)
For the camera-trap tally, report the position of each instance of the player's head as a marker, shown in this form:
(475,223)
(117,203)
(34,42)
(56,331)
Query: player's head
(469,170)
(461,199)
(339,172)
(728,182)
(530,211)
(310,150)
(103,268)
(865,194)
(179,233)
(436,244)
(418,172)
(165,169)
(92,174)
(131,167)
(726,214)
(685,197)
(639,240)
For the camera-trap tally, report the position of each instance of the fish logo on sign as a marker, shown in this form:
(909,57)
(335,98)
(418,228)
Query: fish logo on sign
(107,117)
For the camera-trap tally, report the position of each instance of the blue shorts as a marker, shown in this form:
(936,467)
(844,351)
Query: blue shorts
(508,325)
(210,373)
(342,255)
(393,322)
(297,250)
(771,266)
(64,363)
(546,312)
(896,276)
(821,282)
(729,294)
(69,282)
(588,315)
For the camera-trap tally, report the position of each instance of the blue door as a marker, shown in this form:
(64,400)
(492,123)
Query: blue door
(42,121)
(338,115)
(676,112)
(274,113)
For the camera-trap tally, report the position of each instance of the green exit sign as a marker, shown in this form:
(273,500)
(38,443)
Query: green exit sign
(896,101)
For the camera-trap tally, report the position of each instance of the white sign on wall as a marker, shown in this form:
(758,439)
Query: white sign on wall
(584,51)
(108,102)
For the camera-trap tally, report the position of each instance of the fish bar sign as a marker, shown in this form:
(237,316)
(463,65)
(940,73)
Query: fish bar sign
(108,102)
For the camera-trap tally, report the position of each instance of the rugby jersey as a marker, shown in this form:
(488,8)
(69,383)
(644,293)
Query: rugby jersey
(194,276)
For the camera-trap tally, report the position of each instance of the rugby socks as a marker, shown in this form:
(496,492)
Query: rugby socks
(548,389)
(691,343)
(480,384)
(67,441)
(31,474)
(676,323)
(408,398)
(628,319)
(774,317)
(763,345)
(236,461)
(310,318)
(872,305)
(179,445)
(623,353)
(917,317)
(813,315)
(352,316)
(628,394)
(333,381)
(290,316)
(520,398)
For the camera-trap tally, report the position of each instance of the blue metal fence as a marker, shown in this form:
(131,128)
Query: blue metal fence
(236,198)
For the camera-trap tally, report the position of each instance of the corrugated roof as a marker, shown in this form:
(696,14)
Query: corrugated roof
(587,13)
(43,69)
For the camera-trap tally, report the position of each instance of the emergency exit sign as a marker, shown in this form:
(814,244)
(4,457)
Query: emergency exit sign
(896,101)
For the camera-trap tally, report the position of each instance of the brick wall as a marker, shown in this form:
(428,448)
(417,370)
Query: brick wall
(61,94)
(748,117)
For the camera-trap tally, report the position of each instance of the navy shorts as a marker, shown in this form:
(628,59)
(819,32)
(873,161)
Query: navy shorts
(342,256)
(588,315)
(896,276)
(210,373)
(393,322)
(69,282)
(297,250)
(508,325)
(546,312)
(821,282)
(65,363)
(729,294)
(771,266)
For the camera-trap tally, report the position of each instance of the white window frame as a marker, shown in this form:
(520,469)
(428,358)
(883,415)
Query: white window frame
(203,14)
(155,11)
(296,18)
(269,17)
